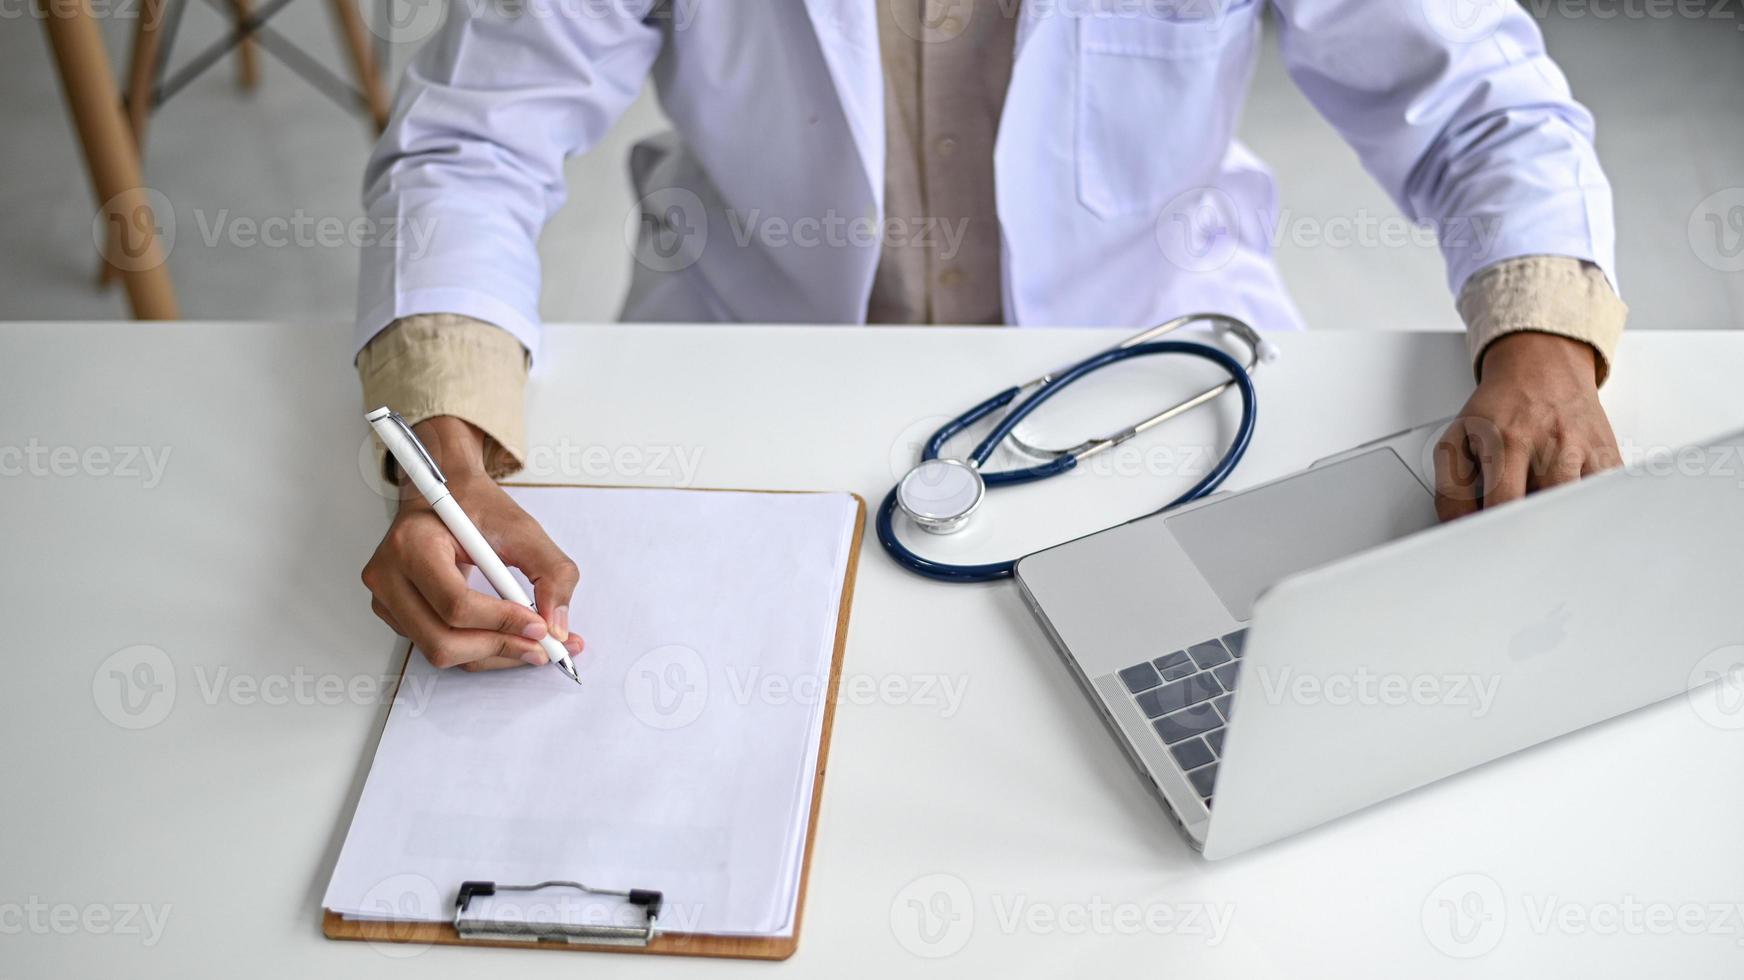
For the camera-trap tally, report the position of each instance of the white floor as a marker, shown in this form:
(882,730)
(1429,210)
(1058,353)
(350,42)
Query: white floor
(1666,92)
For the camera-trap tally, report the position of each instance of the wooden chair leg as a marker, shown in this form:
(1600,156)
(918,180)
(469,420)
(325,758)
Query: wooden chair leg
(76,42)
(248,51)
(141,74)
(142,70)
(355,37)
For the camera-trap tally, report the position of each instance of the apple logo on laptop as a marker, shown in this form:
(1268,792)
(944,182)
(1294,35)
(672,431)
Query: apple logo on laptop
(1541,637)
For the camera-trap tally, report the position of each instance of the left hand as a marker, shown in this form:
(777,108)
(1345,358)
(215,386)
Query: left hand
(1534,421)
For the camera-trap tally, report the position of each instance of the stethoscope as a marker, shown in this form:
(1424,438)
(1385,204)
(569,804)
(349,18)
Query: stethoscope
(940,494)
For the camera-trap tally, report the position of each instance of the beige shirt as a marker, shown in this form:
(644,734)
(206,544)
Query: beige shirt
(945,76)
(946,68)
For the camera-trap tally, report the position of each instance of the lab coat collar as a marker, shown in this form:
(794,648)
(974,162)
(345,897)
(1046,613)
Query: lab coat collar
(847,32)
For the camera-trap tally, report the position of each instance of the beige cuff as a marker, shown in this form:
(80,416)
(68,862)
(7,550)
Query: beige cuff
(1548,293)
(445,364)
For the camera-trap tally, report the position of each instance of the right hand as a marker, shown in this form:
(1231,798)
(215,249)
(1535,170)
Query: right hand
(418,573)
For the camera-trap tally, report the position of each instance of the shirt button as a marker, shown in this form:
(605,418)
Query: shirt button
(946,146)
(951,278)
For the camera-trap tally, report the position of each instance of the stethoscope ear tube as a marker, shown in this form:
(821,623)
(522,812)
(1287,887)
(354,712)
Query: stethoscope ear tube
(946,572)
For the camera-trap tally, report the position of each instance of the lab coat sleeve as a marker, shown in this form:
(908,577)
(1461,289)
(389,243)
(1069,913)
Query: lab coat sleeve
(471,165)
(1458,111)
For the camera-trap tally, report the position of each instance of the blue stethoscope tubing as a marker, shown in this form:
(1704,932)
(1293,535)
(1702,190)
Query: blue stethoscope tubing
(991,571)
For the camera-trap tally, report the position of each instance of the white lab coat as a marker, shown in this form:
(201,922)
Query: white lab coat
(1122,197)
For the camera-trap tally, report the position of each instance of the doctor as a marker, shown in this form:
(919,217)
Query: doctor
(953,161)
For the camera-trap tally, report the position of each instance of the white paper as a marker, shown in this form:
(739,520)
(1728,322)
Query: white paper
(685,762)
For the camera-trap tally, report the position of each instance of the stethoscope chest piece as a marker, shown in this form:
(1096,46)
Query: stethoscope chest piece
(941,494)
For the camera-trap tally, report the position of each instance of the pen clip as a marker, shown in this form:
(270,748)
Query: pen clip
(397,419)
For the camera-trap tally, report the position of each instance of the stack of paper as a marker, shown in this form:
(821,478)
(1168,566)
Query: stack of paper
(684,764)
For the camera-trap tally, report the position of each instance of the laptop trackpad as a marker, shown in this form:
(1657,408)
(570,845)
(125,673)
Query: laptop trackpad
(1245,543)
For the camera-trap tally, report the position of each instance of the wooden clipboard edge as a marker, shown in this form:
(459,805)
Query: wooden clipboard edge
(335,926)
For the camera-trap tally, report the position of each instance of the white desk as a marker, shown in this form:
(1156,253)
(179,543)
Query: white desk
(1003,804)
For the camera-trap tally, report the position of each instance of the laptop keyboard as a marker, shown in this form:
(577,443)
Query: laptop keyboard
(1186,696)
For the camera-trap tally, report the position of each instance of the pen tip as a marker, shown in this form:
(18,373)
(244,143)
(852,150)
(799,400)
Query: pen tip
(569,669)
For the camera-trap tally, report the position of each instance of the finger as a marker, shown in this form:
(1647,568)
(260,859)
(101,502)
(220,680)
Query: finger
(442,585)
(553,575)
(492,663)
(1600,459)
(1603,454)
(1457,486)
(382,613)
(573,645)
(1504,472)
(443,645)
(1559,466)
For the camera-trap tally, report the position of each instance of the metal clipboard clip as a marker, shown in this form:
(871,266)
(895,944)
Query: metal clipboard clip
(536,932)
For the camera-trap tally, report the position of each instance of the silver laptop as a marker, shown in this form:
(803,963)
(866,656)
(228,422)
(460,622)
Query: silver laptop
(1276,658)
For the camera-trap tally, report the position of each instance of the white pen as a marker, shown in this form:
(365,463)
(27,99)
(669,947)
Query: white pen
(421,469)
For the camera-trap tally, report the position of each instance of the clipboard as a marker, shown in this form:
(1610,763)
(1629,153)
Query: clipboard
(617,939)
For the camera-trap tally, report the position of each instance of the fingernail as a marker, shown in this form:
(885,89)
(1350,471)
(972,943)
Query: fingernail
(534,630)
(534,658)
(562,618)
